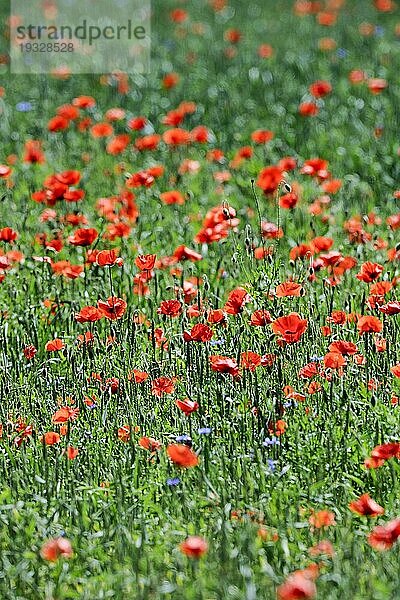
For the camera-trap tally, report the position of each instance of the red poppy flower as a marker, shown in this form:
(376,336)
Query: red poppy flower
(138,376)
(137,123)
(269,179)
(334,360)
(382,537)
(56,548)
(322,518)
(162,385)
(288,201)
(323,547)
(199,333)
(65,414)
(176,137)
(187,406)
(113,308)
(224,364)
(369,272)
(182,456)
(54,345)
(290,328)
(29,351)
(171,308)
(366,506)
(376,86)
(57,124)
(147,142)
(83,237)
(250,360)
(145,262)
(89,314)
(316,167)
(185,253)
(261,318)
(343,347)
(101,130)
(386,451)
(108,258)
(289,288)
(368,324)
(194,546)
(170,80)
(236,300)
(396,370)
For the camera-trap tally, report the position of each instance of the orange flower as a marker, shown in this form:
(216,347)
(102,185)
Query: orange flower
(172,197)
(56,548)
(72,453)
(322,518)
(366,506)
(396,370)
(65,414)
(50,438)
(182,456)
(323,547)
(194,546)
(290,328)
(149,443)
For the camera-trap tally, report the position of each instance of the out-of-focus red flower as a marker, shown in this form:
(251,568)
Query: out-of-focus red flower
(53,549)
(382,537)
(366,506)
(194,546)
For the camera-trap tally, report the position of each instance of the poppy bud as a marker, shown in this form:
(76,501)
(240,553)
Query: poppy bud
(287,187)
(397,247)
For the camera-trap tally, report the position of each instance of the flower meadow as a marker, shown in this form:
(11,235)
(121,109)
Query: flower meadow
(199,274)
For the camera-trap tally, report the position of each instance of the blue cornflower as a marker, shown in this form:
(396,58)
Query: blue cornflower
(183,438)
(173,482)
(272,441)
(204,430)
(24,106)
(271,464)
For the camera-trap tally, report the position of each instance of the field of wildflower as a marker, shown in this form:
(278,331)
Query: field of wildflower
(199,312)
